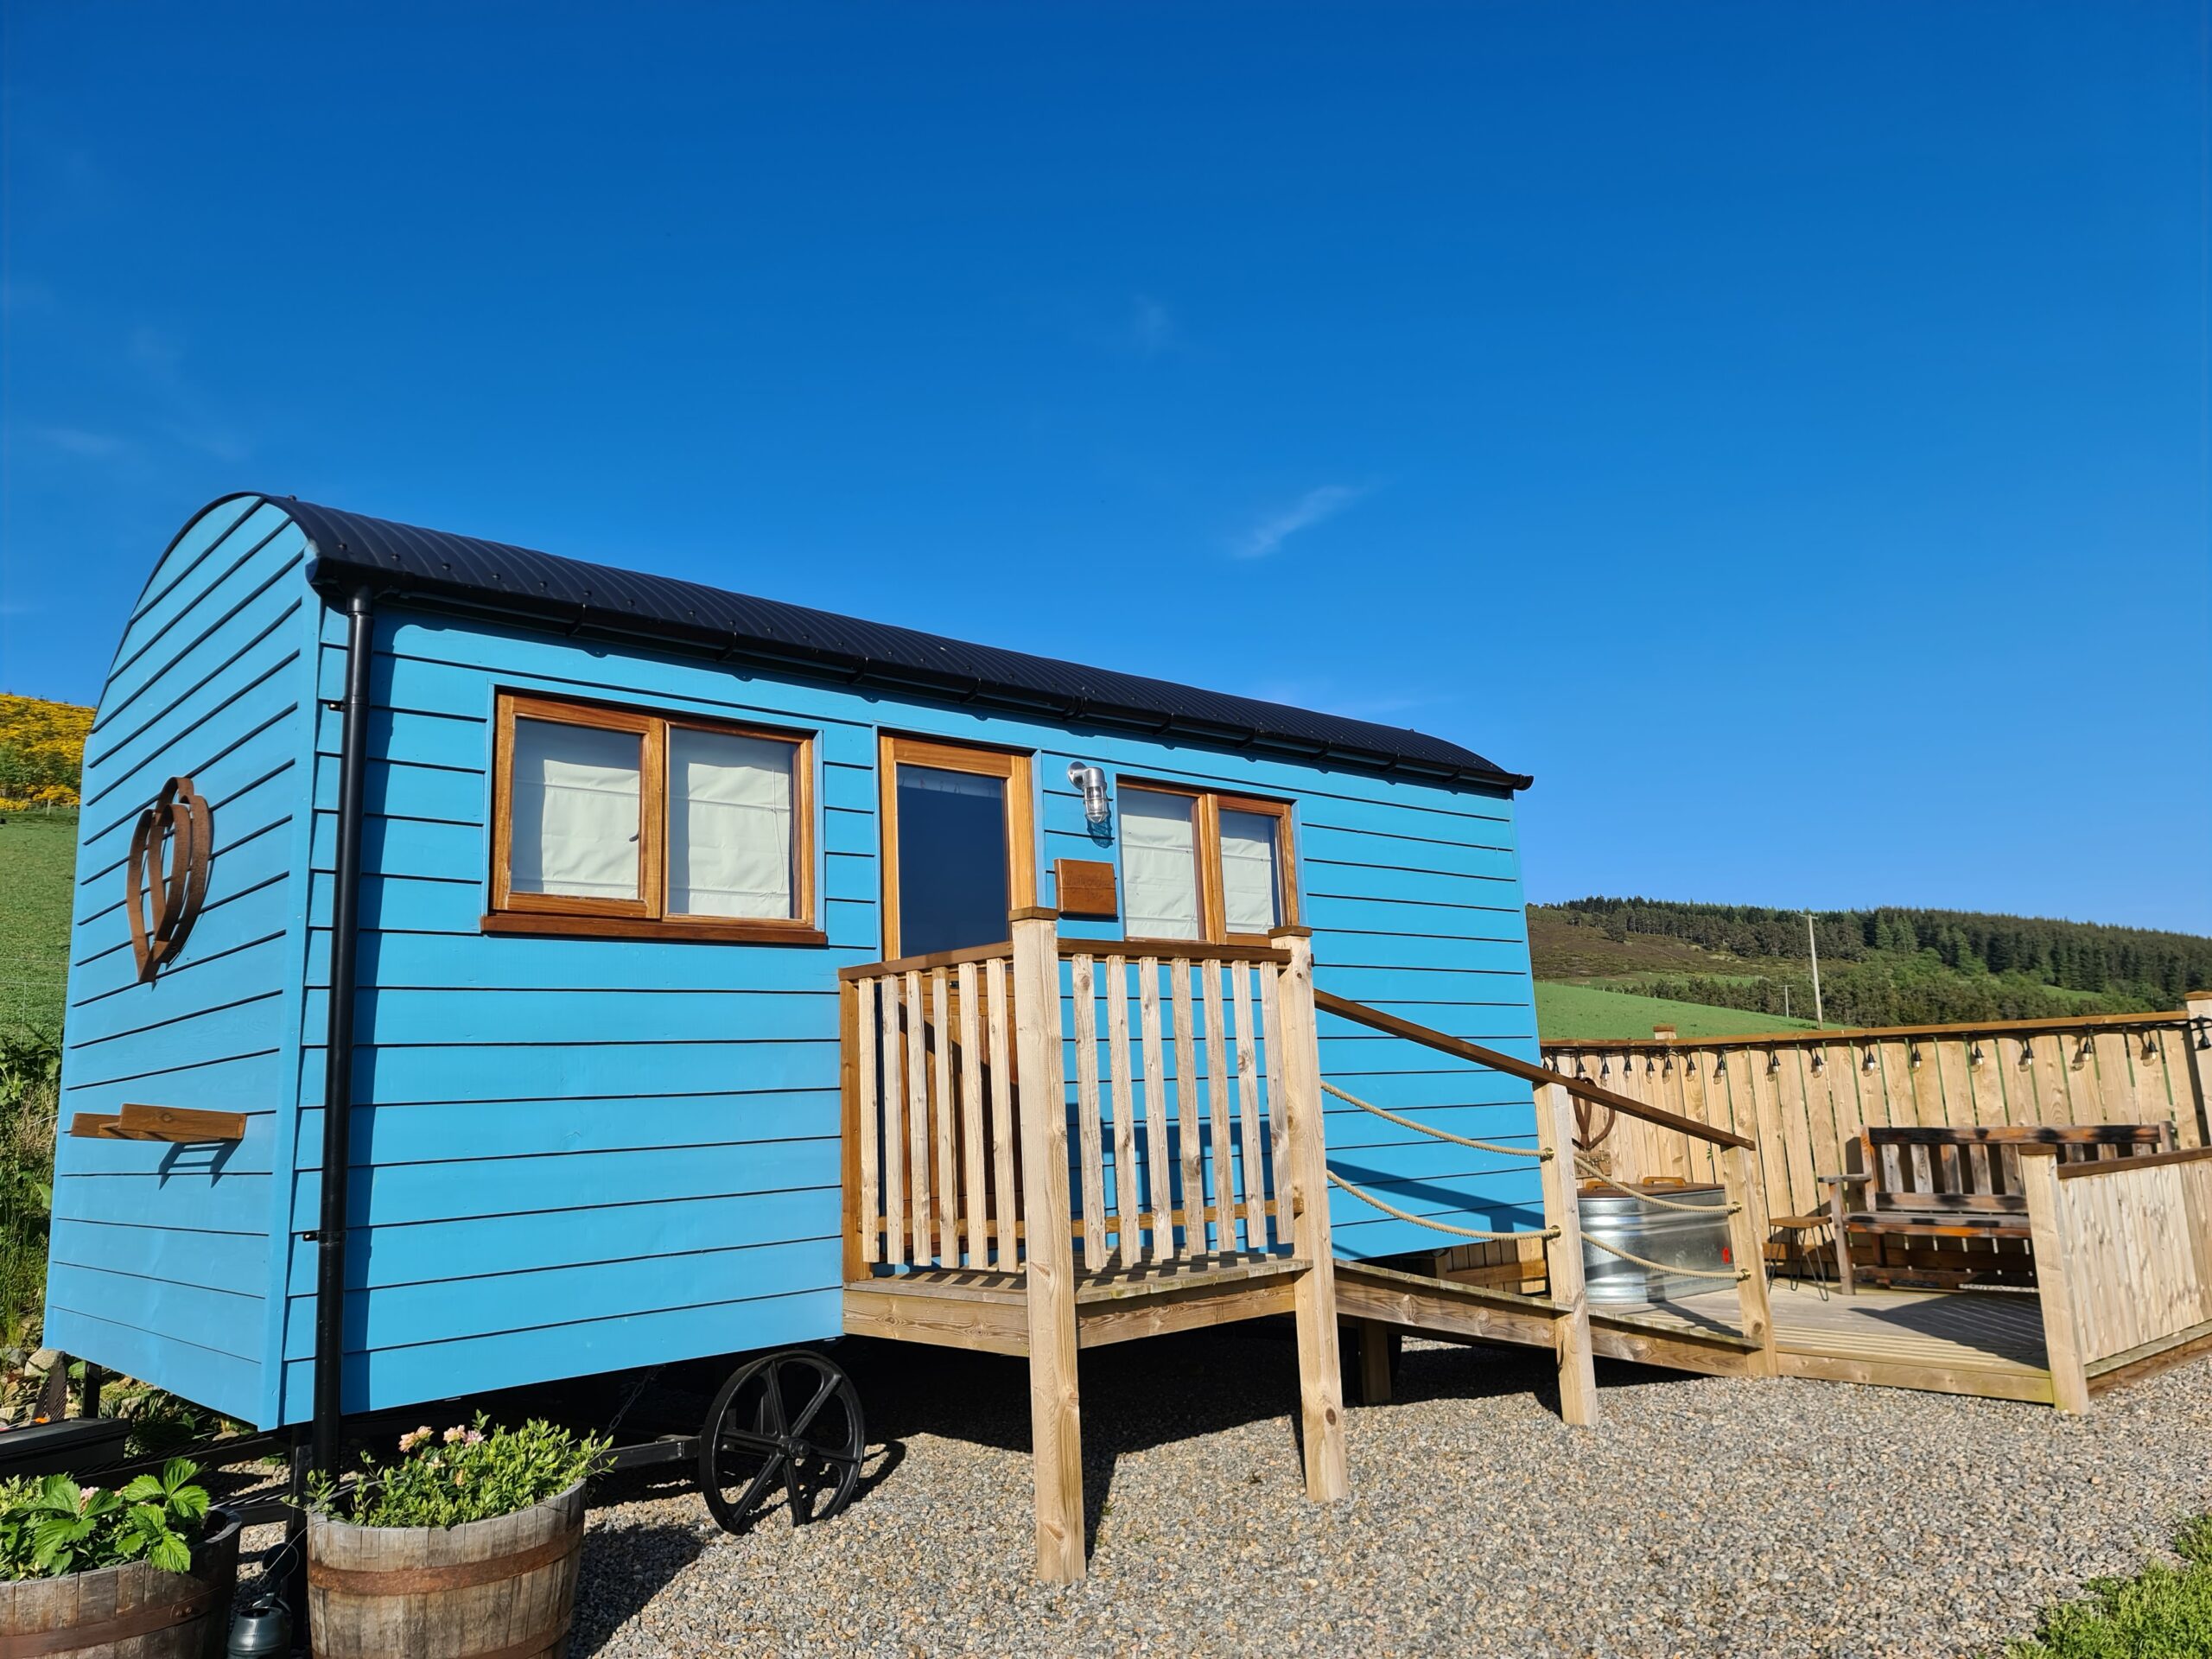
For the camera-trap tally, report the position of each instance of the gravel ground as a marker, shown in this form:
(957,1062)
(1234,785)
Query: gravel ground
(1702,1517)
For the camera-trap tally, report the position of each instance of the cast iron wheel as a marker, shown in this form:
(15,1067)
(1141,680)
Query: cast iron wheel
(785,1429)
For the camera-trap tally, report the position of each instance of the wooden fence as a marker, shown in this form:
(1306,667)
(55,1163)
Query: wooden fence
(1804,1095)
(2124,1262)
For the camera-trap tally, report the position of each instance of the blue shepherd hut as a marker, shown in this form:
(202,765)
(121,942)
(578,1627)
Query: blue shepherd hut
(658,940)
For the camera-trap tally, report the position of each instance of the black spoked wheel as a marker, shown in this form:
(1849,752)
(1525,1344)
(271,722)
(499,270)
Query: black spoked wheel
(786,1431)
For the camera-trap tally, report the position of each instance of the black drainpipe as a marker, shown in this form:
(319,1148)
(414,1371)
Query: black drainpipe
(337,1076)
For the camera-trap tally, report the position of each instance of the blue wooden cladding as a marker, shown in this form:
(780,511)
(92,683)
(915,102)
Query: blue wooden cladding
(577,1154)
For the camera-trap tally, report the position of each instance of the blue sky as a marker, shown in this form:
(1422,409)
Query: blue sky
(1781,429)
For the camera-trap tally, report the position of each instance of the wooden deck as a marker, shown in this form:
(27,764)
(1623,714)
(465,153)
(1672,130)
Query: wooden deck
(1989,1344)
(988,1312)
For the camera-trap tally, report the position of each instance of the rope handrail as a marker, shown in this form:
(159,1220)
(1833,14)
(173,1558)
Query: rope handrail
(1735,1276)
(1441,1135)
(1365,1197)
(1443,1043)
(1585,1167)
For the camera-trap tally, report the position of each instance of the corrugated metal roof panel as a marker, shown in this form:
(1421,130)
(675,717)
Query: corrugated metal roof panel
(350,548)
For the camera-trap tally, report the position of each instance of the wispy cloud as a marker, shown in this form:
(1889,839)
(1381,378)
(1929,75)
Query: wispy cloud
(76,442)
(1152,326)
(1309,509)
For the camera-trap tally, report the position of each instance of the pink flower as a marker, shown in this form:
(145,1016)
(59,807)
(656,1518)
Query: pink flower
(473,1438)
(453,1436)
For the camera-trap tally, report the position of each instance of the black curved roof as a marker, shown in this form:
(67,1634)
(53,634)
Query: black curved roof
(463,571)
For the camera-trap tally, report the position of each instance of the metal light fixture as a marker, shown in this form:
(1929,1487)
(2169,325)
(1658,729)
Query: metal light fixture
(2150,1046)
(1912,1057)
(2204,1035)
(1820,1061)
(1720,1065)
(2081,1053)
(1605,1070)
(1092,782)
(2027,1054)
(1866,1063)
(1650,1067)
(1773,1062)
(1975,1056)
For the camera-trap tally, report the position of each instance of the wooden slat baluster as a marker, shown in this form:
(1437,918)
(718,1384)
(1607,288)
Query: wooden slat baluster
(1159,1165)
(1248,1098)
(1218,1087)
(975,1184)
(1127,1200)
(917,1118)
(1086,1114)
(1278,1120)
(942,1109)
(1190,1126)
(1009,1238)
(870,1122)
(894,1130)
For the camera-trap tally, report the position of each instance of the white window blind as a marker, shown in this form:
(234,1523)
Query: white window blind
(1251,888)
(1160,866)
(575,816)
(730,825)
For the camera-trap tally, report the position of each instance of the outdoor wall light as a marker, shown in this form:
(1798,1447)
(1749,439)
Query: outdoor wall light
(1773,1062)
(1867,1063)
(2027,1054)
(1912,1056)
(2082,1054)
(1820,1062)
(1720,1066)
(1092,782)
(2150,1046)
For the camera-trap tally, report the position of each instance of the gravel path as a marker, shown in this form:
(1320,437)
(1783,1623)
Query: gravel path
(1702,1517)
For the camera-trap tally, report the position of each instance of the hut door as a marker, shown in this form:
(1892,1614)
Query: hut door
(958,854)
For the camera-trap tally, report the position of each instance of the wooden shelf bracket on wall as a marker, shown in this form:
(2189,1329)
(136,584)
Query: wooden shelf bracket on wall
(180,1124)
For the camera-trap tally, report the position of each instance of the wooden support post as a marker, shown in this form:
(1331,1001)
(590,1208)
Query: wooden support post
(1578,1375)
(2061,1327)
(1375,1346)
(1321,1384)
(2199,1005)
(1055,1414)
(1747,1231)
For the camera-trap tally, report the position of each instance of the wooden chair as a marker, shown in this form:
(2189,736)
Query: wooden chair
(1953,1188)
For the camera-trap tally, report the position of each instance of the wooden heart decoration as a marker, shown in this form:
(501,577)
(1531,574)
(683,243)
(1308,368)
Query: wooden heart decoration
(167,874)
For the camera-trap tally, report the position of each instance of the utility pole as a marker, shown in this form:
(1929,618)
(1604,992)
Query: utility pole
(1813,943)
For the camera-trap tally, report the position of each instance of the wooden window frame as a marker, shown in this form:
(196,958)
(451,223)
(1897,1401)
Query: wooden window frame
(1207,805)
(1014,765)
(646,917)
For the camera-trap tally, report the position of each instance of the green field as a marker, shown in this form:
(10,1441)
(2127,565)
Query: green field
(1565,1011)
(38,853)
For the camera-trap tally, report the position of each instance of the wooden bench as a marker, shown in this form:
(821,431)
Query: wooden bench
(1945,1207)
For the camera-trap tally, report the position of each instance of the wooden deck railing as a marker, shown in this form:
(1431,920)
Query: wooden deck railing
(965,1151)
(1804,1095)
(1178,1148)
(2123,1262)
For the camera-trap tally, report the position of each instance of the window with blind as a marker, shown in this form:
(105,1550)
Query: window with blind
(614,822)
(1197,864)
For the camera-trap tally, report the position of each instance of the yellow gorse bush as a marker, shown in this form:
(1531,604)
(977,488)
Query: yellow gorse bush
(42,751)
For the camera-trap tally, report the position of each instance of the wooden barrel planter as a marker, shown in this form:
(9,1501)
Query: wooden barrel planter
(499,1589)
(133,1611)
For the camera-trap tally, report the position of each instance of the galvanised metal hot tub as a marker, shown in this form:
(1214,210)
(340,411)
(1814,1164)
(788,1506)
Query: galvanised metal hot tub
(1675,1237)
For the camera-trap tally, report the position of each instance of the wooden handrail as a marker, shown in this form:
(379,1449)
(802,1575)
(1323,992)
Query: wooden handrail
(929,963)
(1329,1002)
(1828,1036)
(1173,951)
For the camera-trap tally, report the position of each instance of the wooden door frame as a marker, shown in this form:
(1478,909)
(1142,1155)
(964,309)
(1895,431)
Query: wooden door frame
(1014,766)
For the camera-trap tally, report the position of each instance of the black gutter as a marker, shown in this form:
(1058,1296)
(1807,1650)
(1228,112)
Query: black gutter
(337,1075)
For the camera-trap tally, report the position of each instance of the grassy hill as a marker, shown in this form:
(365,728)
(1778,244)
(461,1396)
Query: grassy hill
(1878,967)
(1590,1011)
(42,752)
